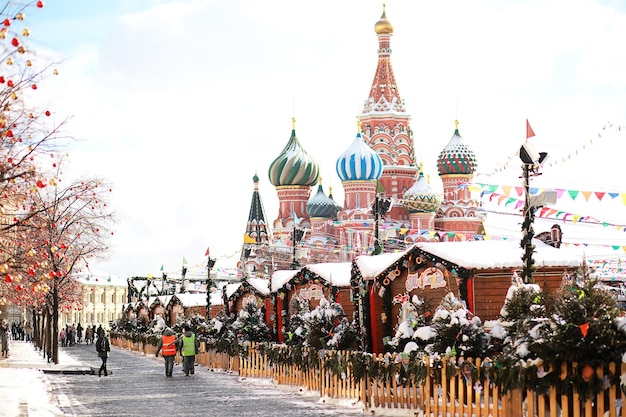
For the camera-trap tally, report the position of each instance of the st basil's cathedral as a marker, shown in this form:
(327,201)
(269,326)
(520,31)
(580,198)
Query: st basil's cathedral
(388,201)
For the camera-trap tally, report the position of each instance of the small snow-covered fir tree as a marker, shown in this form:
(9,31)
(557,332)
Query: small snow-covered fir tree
(250,324)
(456,331)
(414,316)
(295,333)
(328,328)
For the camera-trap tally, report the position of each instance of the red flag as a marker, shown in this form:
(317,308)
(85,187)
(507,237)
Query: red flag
(529,130)
(207,252)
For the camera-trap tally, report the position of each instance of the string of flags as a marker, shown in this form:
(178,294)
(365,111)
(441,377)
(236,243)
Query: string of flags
(553,162)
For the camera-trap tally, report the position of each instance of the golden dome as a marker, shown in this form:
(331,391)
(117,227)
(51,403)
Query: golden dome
(383,26)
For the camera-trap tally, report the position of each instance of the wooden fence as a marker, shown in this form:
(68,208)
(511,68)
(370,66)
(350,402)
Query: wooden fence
(456,396)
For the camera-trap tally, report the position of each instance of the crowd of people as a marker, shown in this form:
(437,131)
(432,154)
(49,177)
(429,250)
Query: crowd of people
(16,331)
(73,334)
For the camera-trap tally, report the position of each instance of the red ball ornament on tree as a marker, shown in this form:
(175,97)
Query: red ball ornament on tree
(6,22)
(47,113)
(15,42)
(40,4)
(587,372)
(8,279)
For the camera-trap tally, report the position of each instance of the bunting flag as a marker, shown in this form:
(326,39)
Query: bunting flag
(207,253)
(184,261)
(161,268)
(529,130)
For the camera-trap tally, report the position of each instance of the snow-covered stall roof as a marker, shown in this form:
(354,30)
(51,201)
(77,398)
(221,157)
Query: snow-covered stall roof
(262,285)
(94,277)
(163,299)
(216,298)
(191,300)
(336,274)
(373,265)
(280,278)
(489,254)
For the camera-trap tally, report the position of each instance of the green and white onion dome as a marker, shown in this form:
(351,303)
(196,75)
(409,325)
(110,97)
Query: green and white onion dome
(319,205)
(359,162)
(293,166)
(456,157)
(421,198)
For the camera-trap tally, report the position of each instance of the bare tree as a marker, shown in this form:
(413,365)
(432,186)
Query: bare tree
(71,227)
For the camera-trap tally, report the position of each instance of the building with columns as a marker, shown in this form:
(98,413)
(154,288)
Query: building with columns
(388,201)
(103,300)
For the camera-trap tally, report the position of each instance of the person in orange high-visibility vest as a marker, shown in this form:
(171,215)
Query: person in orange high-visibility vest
(188,349)
(168,345)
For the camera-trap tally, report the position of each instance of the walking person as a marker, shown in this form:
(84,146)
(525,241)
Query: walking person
(28,331)
(168,345)
(188,349)
(103,347)
(79,333)
(63,337)
(5,335)
(88,335)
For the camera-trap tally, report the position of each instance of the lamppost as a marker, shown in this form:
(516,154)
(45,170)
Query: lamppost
(381,206)
(296,237)
(532,161)
(209,266)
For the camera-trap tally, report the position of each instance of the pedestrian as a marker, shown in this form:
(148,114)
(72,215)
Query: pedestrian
(79,333)
(88,335)
(169,345)
(188,349)
(28,331)
(63,337)
(99,331)
(103,347)
(5,335)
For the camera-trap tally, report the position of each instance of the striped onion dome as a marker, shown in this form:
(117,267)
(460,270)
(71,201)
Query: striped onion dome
(293,166)
(420,198)
(359,162)
(319,205)
(456,157)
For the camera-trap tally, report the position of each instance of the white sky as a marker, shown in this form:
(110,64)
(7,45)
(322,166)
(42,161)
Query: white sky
(179,103)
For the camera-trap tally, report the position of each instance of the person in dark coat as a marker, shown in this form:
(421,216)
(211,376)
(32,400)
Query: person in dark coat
(103,347)
(5,335)
(169,345)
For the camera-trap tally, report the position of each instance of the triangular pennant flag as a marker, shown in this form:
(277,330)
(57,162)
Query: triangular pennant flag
(506,189)
(519,191)
(586,194)
(529,130)
(248,239)
(600,195)
(184,261)
(573,194)
(207,253)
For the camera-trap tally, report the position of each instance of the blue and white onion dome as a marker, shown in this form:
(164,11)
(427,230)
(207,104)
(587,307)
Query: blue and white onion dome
(293,166)
(319,205)
(456,157)
(421,198)
(359,162)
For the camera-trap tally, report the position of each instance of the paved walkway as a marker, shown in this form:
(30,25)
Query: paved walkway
(24,388)
(29,386)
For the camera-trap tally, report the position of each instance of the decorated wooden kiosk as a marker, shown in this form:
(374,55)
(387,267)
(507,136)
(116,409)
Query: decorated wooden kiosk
(309,285)
(184,305)
(477,272)
(251,290)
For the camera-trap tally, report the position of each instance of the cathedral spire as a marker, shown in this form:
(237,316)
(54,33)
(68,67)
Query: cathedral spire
(384,95)
(257,230)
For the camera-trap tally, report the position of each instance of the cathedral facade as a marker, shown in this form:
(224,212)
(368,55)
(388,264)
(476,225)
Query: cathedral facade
(388,201)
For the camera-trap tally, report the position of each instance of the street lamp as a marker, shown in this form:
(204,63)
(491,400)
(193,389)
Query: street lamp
(296,237)
(209,266)
(532,161)
(381,206)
